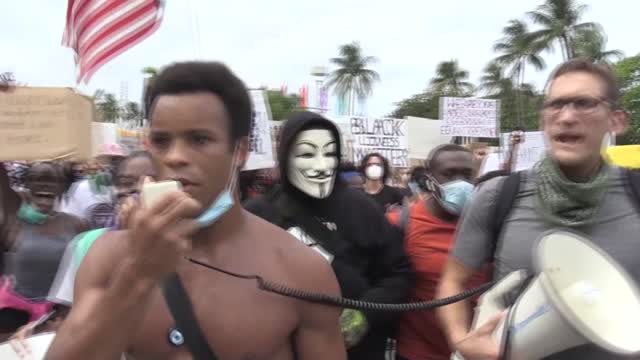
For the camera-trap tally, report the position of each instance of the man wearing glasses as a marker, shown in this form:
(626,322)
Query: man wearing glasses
(571,187)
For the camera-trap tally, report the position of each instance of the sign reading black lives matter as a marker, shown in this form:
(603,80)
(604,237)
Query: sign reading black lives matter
(385,136)
(469,117)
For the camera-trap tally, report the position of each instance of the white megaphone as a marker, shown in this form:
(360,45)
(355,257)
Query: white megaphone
(579,296)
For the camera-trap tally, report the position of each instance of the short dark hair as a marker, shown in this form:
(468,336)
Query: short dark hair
(133,155)
(212,77)
(418,172)
(385,165)
(604,72)
(443,148)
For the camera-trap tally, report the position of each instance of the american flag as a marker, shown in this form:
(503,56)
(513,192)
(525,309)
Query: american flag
(99,30)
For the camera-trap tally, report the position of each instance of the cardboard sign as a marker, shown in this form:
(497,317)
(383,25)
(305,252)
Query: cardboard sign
(469,117)
(38,123)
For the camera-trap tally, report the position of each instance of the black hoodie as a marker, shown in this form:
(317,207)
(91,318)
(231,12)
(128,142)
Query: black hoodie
(368,256)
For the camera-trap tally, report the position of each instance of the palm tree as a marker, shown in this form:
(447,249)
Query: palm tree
(107,106)
(493,82)
(591,44)
(352,77)
(519,48)
(450,80)
(132,112)
(150,71)
(559,20)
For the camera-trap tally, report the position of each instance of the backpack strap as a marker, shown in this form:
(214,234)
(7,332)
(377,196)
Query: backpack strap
(187,328)
(504,203)
(633,182)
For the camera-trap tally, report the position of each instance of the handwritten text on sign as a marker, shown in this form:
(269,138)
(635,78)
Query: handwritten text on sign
(469,117)
(44,123)
(529,152)
(385,136)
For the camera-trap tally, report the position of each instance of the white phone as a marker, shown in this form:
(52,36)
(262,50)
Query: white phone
(151,192)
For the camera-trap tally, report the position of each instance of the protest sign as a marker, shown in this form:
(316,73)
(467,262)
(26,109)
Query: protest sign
(491,162)
(529,151)
(469,117)
(260,147)
(39,123)
(424,136)
(385,136)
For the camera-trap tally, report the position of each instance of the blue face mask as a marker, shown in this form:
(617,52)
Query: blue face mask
(31,215)
(414,187)
(224,202)
(219,207)
(455,194)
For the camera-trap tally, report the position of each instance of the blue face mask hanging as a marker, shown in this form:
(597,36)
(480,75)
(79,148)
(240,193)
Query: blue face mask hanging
(224,202)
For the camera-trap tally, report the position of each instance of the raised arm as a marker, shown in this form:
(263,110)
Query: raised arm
(117,277)
(471,250)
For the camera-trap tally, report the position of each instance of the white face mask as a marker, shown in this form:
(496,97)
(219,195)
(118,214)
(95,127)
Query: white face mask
(313,162)
(374,172)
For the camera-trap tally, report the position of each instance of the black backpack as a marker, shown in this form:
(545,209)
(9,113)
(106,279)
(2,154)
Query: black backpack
(509,192)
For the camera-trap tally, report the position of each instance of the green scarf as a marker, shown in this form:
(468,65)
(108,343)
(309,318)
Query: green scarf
(566,203)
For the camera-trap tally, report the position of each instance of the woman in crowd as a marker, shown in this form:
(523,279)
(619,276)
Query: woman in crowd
(376,171)
(127,180)
(34,248)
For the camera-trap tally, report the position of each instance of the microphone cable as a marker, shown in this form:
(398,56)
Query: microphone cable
(326,299)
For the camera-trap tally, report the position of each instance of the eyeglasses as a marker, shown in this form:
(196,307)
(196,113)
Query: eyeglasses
(580,104)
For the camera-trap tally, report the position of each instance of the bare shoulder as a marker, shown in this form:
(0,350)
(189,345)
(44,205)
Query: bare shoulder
(78,224)
(103,256)
(305,267)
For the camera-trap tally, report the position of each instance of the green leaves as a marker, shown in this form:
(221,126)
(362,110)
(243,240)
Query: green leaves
(352,77)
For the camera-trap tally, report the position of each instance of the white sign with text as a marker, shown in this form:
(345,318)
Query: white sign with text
(470,117)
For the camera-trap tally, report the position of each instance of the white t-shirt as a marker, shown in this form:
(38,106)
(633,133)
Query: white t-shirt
(81,198)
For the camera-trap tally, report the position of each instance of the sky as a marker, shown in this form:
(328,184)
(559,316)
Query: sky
(277,42)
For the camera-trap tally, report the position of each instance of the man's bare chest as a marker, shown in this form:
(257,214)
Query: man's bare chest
(238,321)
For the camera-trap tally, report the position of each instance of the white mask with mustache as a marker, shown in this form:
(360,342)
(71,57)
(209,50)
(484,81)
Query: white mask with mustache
(313,161)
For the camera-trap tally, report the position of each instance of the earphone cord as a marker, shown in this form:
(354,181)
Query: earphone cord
(343,302)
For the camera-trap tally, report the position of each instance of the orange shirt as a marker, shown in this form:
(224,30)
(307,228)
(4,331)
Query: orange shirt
(427,243)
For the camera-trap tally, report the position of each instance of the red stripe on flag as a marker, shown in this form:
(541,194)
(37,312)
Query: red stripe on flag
(120,47)
(90,21)
(76,12)
(97,38)
(67,31)
(99,30)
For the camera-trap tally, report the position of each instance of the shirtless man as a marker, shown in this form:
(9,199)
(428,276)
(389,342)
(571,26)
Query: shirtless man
(200,121)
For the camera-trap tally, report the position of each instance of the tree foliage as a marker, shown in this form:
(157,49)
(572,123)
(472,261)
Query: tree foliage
(591,44)
(107,106)
(559,24)
(352,77)
(281,105)
(560,21)
(451,80)
(628,71)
